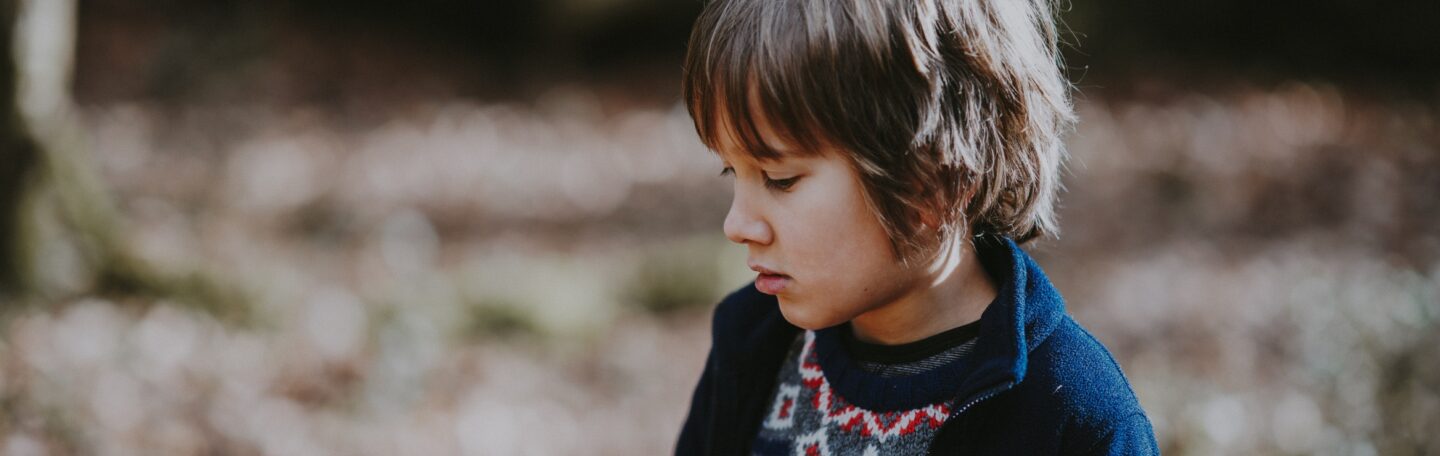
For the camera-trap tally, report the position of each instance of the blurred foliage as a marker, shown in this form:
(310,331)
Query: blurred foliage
(323,51)
(675,277)
(1369,43)
(1258,164)
(1408,395)
(498,318)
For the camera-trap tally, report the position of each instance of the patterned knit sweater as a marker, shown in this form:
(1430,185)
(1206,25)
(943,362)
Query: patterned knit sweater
(809,415)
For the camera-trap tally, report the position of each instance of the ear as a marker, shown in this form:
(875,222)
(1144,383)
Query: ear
(932,216)
(929,217)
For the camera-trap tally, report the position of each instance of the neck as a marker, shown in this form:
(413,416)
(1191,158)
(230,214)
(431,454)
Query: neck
(948,297)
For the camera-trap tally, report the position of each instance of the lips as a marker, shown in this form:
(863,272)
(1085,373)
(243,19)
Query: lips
(770,281)
(771,284)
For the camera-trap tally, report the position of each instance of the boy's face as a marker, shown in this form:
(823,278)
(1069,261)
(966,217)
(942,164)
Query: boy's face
(812,238)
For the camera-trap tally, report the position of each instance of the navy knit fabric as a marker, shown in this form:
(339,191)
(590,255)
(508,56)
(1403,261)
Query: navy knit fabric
(1036,383)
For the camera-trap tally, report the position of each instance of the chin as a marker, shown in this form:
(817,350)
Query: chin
(807,317)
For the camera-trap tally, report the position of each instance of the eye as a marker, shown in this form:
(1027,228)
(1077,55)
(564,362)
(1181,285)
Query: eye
(781,184)
(728,171)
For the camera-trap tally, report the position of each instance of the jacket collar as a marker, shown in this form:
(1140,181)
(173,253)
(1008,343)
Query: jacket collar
(1026,310)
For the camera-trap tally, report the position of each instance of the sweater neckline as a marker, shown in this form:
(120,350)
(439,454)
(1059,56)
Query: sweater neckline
(908,352)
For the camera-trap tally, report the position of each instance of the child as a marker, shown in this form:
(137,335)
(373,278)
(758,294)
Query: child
(887,157)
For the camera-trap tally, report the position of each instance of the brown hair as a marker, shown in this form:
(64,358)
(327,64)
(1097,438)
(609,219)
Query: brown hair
(948,107)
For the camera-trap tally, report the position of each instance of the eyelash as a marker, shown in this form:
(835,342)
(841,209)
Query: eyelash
(774,184)
(780,184)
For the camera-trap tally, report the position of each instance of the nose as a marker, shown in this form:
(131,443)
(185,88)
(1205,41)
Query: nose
(743,225)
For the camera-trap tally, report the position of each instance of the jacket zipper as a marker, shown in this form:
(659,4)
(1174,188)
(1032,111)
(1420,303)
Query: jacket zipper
(987,394)
(983,396)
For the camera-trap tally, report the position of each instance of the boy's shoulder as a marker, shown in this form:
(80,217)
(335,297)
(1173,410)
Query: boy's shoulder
(1074,394)
(1074,374)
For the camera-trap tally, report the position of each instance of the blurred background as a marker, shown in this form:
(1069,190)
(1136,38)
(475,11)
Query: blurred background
(487,227)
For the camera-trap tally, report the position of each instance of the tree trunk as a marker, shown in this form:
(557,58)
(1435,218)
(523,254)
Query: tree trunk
(17,165)
(46,172)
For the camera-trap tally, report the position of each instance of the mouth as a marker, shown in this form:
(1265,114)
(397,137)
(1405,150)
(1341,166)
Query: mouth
(770,281)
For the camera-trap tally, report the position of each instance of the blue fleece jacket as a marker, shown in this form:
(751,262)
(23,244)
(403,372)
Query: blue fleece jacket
(1036,384)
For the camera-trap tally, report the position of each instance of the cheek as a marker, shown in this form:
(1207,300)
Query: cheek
(844,285)
(846,252)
